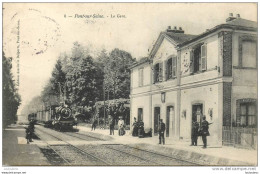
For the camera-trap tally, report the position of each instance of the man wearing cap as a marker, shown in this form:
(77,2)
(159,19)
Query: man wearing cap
(161,131)
(111,125)
(205,131)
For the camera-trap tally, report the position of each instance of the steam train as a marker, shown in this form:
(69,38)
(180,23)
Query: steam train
(57,117)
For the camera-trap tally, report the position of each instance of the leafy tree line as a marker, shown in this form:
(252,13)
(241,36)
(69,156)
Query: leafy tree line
(11,98)
(82,80)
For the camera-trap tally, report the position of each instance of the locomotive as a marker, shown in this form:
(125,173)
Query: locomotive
(57,117)
(32,117)
(63,118)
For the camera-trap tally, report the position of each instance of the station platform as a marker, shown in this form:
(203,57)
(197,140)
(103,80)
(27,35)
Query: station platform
(16,151)
(211,156)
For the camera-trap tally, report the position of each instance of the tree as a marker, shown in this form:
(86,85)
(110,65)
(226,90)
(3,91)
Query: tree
(11,98)
(36,104)
(58,80)
(117,73)
(49,96)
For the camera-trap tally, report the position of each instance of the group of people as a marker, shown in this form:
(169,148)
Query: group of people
(111,122)
(197,130)
(202,131)
(138,129)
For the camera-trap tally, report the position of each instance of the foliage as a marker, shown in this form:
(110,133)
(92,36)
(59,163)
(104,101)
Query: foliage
(36,104)
(117,73)
(11,98)
(82,81)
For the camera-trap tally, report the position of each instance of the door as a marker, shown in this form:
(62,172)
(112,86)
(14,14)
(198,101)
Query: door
(169,114)
(140,114)
(197,113)
(156,120)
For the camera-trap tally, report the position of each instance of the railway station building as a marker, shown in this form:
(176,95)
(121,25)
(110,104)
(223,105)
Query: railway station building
(213,74)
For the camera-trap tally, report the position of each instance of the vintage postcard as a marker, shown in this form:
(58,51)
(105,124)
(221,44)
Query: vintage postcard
(130,84)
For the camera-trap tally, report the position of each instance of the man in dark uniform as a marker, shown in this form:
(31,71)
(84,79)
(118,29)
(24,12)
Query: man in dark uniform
(205,131)
(94,124)
(194,133)
(135,128)
(28,135)
(161,131)
(141,129)
(111,125)
(31,130)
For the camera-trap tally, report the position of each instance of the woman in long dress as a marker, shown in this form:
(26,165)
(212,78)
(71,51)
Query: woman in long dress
(121,124)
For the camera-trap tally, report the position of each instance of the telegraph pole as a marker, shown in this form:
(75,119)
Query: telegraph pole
(104,97)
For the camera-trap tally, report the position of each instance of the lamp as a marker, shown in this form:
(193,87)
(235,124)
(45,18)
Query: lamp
(184,113)
(210,112)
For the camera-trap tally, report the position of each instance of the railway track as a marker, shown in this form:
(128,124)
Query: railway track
(56,158)
(71,154)
(108,157)
(139,153)
(114,154)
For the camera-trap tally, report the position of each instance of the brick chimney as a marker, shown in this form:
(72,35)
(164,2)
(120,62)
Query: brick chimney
(175,29)
(231,17)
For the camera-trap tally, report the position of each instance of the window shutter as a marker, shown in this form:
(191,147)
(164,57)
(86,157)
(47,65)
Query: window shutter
(166,69)
(160,72)
(142,76)
(174,63)
(139,77)
(203,57)
(154,75)
(192,61)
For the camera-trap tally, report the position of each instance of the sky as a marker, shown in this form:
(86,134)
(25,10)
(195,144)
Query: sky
(37,33)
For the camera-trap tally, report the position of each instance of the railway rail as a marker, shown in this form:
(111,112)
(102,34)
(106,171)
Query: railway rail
(137,152)
(121,154)
(73,155)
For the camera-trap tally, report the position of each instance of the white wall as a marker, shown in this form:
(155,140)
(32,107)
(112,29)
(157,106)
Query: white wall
(166,49)
(170,100)
(146,79)
(141,102)
(212,54)
(208,96)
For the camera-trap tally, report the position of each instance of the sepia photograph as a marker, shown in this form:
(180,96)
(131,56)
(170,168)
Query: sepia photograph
(130,84)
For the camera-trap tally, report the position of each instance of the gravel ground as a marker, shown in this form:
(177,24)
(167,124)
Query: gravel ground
(100,154)
(161,159)
(76,157)
(115,157)
(53,157)
(83,137)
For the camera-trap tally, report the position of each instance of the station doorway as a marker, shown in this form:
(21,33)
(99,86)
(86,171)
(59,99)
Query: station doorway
(156,120)
(197,113)
(169,120)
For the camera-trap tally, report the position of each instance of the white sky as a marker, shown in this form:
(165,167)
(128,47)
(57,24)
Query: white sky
(135,33)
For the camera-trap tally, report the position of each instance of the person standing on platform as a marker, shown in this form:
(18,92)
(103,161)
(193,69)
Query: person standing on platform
(121,124)
(205,131)
(111,125)
(94,124)
(194,133)
(28,135)
(161,132)
(135,128)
